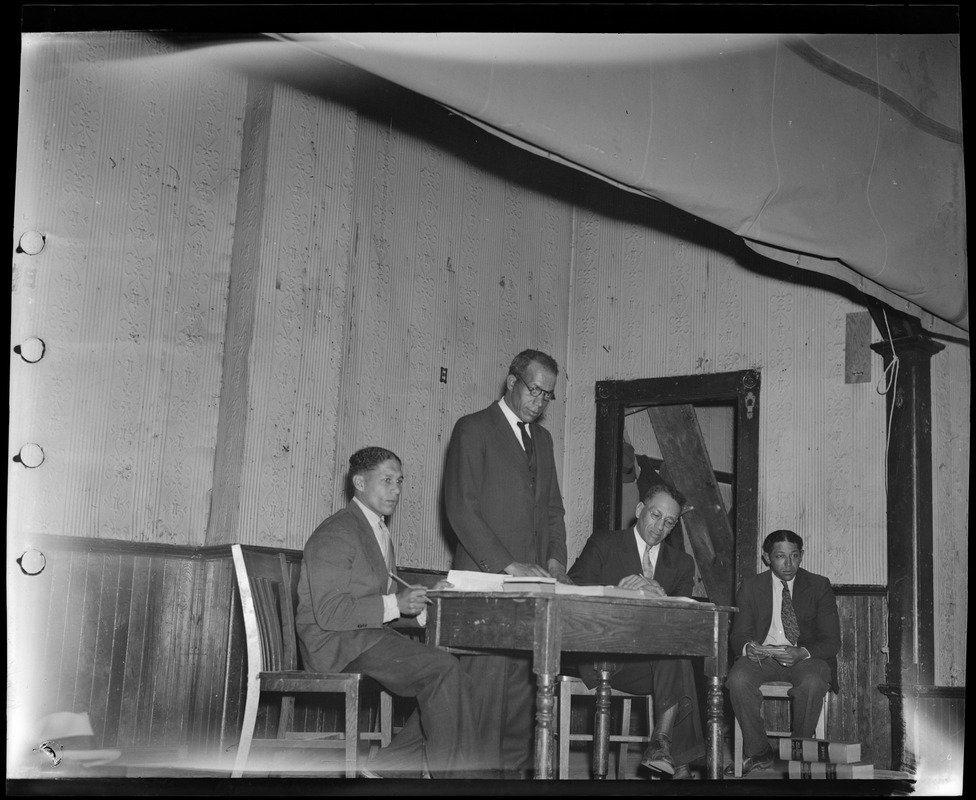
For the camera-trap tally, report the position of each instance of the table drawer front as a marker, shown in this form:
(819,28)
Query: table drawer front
(488,622)
(659,631)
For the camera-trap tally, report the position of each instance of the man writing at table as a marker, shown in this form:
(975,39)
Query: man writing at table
(346,602)
(795,612)
(502,499)
(639,558)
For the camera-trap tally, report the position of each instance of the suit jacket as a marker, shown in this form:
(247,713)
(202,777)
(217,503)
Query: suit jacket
(816,614)
(340,588)
(609,556)
(499,513)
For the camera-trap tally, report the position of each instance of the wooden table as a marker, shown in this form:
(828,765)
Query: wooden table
(548,625)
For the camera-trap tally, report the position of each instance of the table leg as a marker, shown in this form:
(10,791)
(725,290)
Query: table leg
(714,727)
(601,723)
(544,704)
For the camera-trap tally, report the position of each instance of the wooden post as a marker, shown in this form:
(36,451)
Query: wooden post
(907,353)
(223,525)
(608,452)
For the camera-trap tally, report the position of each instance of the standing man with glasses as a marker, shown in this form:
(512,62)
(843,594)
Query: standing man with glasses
(639,558)
(502,498)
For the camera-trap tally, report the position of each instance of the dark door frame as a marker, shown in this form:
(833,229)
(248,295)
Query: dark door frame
(741,388)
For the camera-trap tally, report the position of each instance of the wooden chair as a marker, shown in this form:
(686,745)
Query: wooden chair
(267,600)
(570,687)
(779,690)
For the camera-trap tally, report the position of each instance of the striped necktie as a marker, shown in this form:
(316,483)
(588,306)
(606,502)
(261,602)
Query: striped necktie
(790,626)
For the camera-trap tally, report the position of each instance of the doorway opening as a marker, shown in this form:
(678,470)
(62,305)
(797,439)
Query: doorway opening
(699,433)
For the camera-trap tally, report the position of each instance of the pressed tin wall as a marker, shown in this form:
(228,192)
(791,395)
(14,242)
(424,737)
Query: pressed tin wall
(126,165)
(229,311)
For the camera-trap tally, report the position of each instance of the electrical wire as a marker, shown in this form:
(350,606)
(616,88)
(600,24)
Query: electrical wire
(890,379)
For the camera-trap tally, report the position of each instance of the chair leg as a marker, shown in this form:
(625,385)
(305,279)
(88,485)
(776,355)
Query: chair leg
(821,731)
(386,718)
(737,749)
(286,716)
(352,729)
(650,717)
(565,714)
(622,747)
(247,728)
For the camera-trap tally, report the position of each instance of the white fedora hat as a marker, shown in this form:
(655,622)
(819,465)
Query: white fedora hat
(68,736)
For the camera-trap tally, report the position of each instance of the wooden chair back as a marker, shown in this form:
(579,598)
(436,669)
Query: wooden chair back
(267,592)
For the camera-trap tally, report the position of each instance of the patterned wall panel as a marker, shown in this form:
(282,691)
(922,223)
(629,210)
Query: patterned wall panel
(297,351)
(583,368)
(126,164)
(454,267)
(375,310)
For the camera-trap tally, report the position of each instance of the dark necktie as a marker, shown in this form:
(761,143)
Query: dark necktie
(528,444)
(790,626)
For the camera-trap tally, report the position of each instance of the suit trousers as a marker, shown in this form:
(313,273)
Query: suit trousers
(445,725)
(670,681)
(810,679)
(508,713)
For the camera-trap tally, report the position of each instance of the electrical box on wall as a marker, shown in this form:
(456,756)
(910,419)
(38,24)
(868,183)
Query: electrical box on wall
(857,349)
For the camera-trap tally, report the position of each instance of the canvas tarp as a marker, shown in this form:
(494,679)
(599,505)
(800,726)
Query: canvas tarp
(839,153)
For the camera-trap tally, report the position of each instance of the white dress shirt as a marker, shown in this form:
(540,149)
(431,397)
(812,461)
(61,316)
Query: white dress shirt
(513,420)
(391,610)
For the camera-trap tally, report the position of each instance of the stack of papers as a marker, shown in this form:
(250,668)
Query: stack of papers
(471,581)
(530,584)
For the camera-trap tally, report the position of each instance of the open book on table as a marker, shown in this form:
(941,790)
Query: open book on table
(619,591)
(471,581)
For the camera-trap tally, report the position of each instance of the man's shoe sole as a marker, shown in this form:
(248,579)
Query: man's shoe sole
(764,763)
(658,765)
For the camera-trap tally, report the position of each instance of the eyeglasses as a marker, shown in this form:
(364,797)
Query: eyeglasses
(535,391)
(668,522)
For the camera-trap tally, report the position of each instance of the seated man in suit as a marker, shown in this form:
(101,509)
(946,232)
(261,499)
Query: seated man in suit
(638,558)
(794,611)
(346,602)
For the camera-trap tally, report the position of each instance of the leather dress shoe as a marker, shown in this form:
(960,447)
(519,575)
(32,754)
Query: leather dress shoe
(658,755)
(762,761)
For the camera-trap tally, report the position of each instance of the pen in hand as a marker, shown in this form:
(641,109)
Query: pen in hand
(402,582)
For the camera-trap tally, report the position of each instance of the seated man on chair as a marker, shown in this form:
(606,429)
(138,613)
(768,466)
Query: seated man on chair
(346,602)
(794,611)
(639,558)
